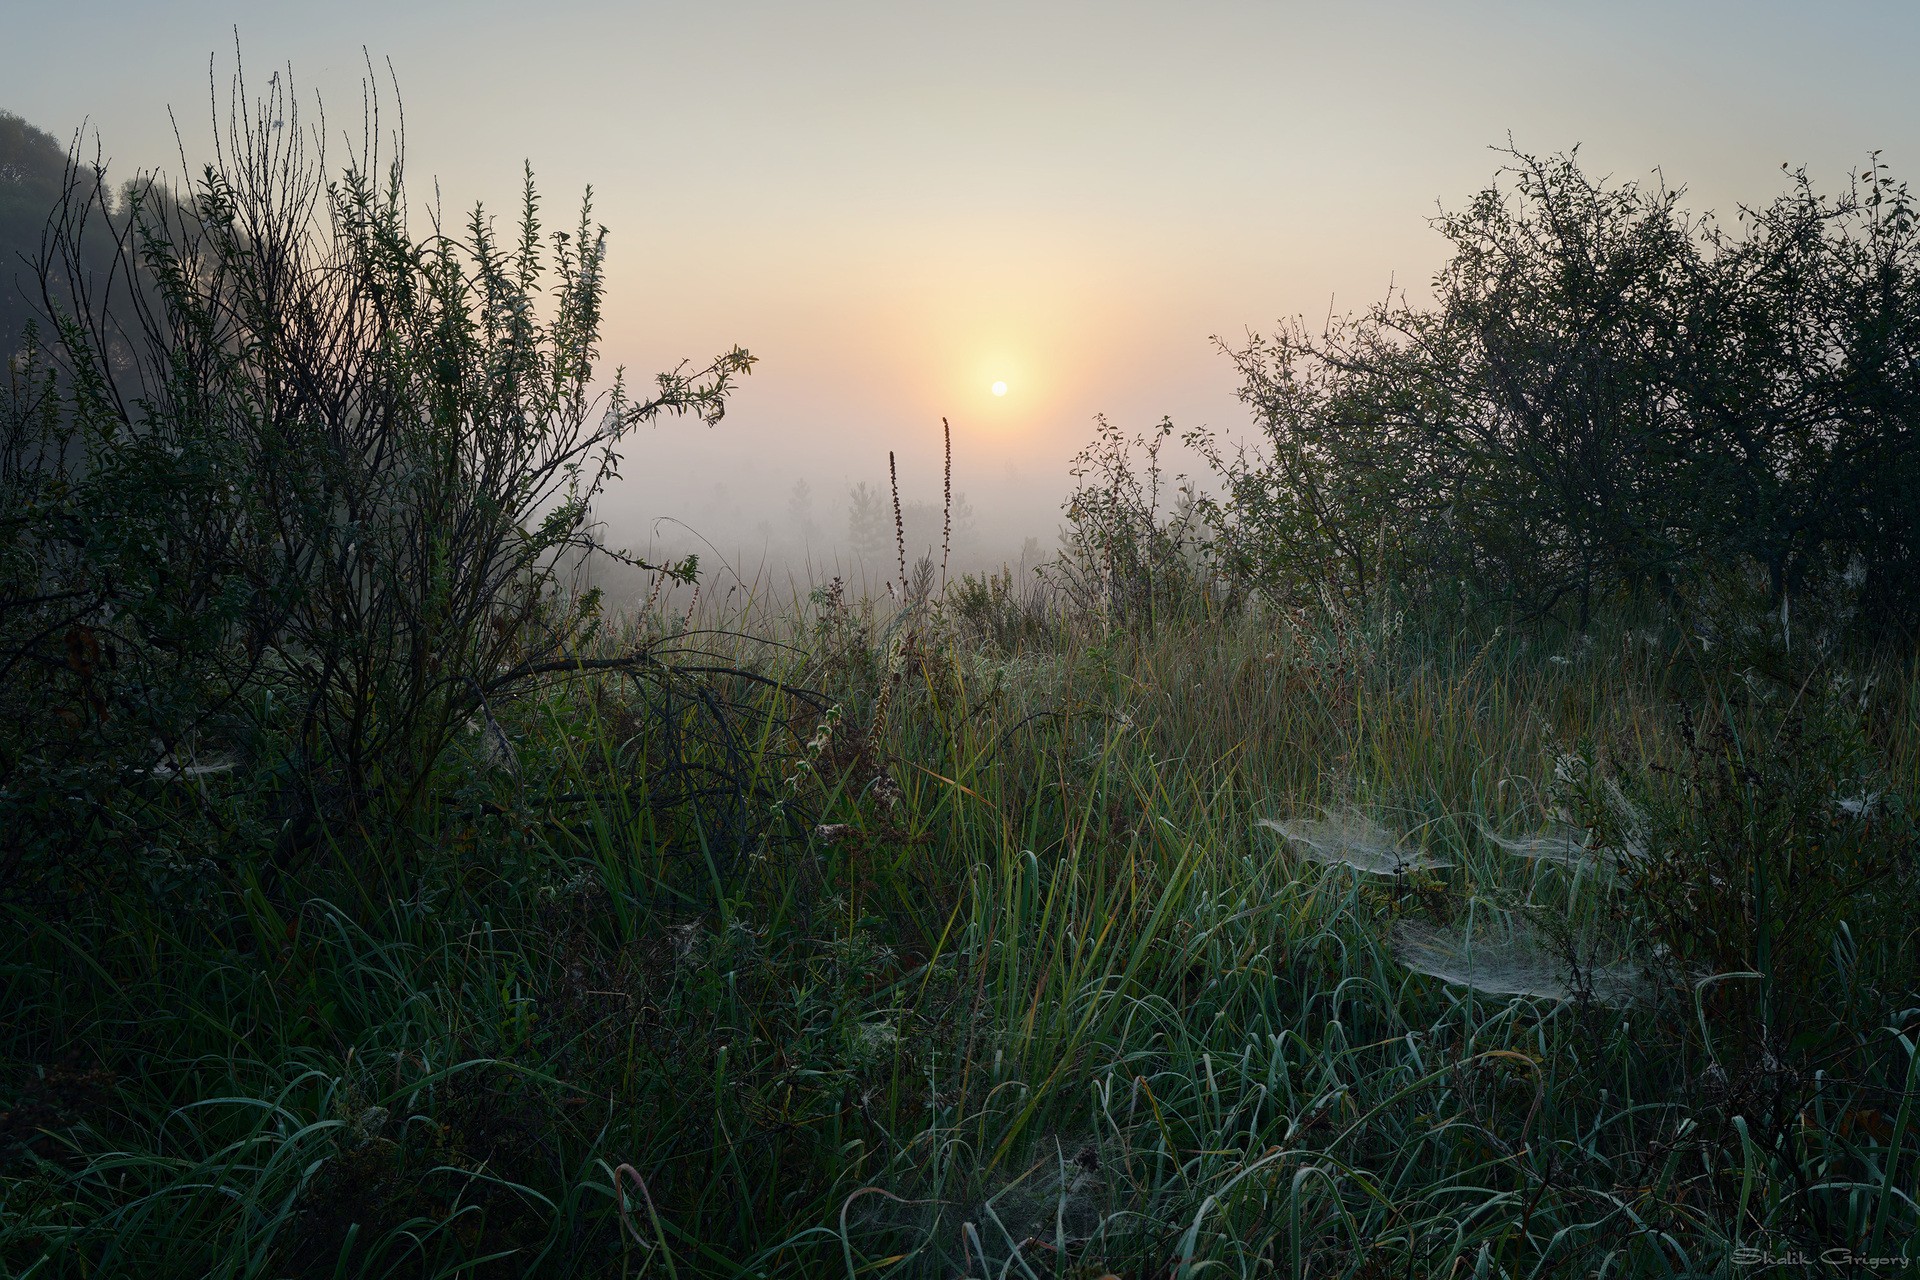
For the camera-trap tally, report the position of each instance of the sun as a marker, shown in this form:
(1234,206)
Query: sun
(999,388)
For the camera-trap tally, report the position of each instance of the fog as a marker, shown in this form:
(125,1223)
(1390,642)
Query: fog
(776,519)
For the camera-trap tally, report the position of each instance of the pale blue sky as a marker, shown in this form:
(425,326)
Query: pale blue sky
(895,204)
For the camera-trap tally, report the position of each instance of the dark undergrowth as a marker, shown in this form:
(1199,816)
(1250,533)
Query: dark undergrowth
(698,974)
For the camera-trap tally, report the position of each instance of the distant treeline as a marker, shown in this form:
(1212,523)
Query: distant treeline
(74,266)
(32,169)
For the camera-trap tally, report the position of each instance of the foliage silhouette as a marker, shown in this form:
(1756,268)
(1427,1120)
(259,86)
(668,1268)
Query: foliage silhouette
(312,487)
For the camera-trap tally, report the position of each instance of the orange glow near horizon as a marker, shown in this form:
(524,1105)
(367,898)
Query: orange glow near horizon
(897,207)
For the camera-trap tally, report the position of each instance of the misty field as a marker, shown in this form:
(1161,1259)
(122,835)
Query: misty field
(1469,832)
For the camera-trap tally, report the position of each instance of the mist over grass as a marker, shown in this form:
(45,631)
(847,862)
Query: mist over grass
(799,527)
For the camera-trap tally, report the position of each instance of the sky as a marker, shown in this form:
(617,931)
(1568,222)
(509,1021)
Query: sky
(895,205)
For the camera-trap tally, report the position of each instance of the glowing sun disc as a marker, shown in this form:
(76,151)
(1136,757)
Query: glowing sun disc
(999,388)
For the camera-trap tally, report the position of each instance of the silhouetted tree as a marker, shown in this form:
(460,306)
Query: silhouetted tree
(1606,398)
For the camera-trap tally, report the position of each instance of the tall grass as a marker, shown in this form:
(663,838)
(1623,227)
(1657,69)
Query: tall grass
(706,980)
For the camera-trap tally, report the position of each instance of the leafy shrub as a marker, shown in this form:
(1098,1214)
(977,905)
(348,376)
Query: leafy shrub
(1000,611)
(1608,398)
(1128,554)
(325,511)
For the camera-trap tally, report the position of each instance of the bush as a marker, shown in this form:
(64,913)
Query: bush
(1607,400)
(325,510)
(1001,611)
(1125,556)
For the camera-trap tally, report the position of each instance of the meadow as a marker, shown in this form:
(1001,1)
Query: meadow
(948,942)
